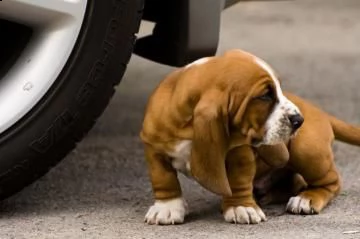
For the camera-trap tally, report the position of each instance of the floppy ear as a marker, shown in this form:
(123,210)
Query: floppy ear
(210,144)
(274,155)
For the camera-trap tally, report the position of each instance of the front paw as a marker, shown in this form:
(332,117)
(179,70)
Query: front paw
(300,205)
(166,212)
(244,215)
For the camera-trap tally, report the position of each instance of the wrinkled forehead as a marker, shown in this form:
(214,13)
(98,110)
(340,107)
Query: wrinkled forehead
(263,66)
(258,61)
(270,71)
(254,66)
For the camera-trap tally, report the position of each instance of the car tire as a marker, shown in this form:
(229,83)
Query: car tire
(51,129)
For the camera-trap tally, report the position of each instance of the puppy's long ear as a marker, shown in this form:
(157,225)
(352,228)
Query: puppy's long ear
(274,155)
(210,144)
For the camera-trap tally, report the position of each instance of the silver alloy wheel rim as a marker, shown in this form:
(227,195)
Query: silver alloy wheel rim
(56,25)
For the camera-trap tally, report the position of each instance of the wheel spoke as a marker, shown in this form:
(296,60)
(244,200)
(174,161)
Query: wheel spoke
(40,12)
(55,26)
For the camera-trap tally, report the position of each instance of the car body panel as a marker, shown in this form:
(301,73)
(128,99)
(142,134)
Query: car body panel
(185,30)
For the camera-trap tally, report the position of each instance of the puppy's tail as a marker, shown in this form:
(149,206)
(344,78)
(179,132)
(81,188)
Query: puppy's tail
(345,132)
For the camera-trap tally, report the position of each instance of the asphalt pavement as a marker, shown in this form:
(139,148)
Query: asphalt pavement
(101,190)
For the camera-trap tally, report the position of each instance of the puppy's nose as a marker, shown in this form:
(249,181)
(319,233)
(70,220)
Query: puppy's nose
(296,121)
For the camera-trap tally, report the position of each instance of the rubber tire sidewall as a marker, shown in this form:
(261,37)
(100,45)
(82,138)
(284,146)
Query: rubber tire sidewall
(79,95)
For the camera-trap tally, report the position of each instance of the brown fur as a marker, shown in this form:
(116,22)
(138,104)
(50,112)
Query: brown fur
(215,106)
(310,172)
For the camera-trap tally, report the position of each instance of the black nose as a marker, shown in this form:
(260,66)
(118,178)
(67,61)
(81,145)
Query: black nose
(296,121)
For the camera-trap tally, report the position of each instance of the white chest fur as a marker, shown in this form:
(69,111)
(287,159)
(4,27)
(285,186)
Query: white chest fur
(181,156)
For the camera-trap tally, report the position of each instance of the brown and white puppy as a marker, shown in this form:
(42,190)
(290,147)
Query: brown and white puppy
(201,121)
(310,179)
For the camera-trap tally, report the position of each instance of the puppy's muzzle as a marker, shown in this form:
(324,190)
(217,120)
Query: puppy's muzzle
(296,121)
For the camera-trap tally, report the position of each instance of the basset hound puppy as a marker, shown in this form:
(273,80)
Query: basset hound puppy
(203,120)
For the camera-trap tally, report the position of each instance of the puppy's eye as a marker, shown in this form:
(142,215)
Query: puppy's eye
(267,96)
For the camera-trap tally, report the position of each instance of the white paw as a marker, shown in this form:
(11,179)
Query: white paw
(166,212)
(244,215)
(299,205)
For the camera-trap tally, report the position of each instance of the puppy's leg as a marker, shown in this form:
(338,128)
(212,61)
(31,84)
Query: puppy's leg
(318,170)
(169,206)
(241,206)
